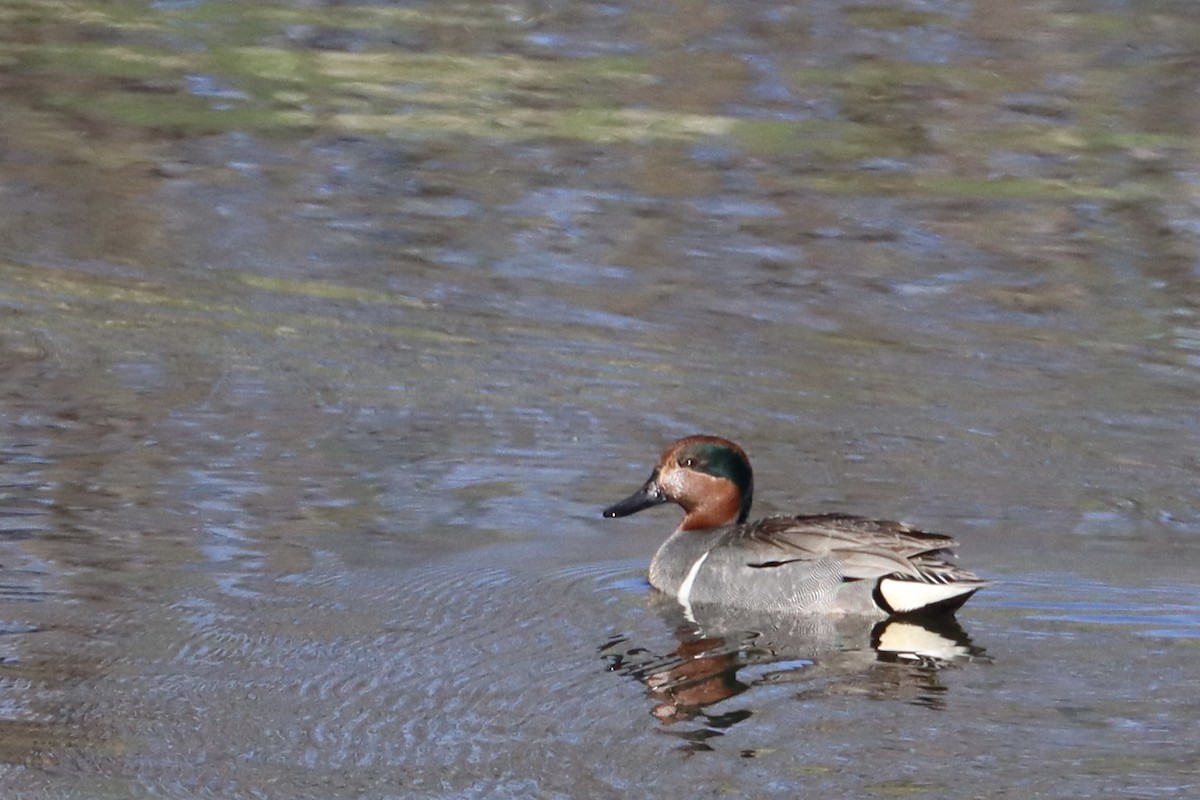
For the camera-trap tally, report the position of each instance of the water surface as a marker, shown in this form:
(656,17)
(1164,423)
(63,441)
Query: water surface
(327,331)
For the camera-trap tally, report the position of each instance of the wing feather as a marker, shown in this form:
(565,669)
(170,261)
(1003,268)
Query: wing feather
(866,548)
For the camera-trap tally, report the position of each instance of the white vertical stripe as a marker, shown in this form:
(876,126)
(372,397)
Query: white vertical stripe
(685,588)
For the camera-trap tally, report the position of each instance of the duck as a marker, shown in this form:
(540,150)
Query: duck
(809,563)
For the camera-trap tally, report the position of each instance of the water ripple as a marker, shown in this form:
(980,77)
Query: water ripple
(1172,612)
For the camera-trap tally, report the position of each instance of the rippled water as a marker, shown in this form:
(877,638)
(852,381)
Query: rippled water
(326,333)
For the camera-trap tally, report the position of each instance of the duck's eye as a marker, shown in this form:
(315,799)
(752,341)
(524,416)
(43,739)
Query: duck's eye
(687,463)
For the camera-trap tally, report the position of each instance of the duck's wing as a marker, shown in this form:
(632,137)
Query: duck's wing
(865,548)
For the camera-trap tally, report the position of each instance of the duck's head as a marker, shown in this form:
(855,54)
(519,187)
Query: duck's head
(709,477)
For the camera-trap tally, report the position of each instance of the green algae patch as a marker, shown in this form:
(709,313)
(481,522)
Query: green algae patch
(329,291)
(905,789)
(890,18)
(104,296)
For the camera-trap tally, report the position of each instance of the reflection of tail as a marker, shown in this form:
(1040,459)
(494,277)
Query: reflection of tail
(938,641)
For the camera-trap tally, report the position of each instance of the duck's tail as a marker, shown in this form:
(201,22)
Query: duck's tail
(902,594)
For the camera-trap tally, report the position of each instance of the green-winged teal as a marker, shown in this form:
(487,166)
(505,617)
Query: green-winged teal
(824,563)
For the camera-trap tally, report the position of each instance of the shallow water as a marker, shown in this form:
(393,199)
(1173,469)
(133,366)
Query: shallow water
(326,333)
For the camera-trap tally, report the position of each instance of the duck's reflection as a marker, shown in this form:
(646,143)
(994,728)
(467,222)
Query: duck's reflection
(721,654)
